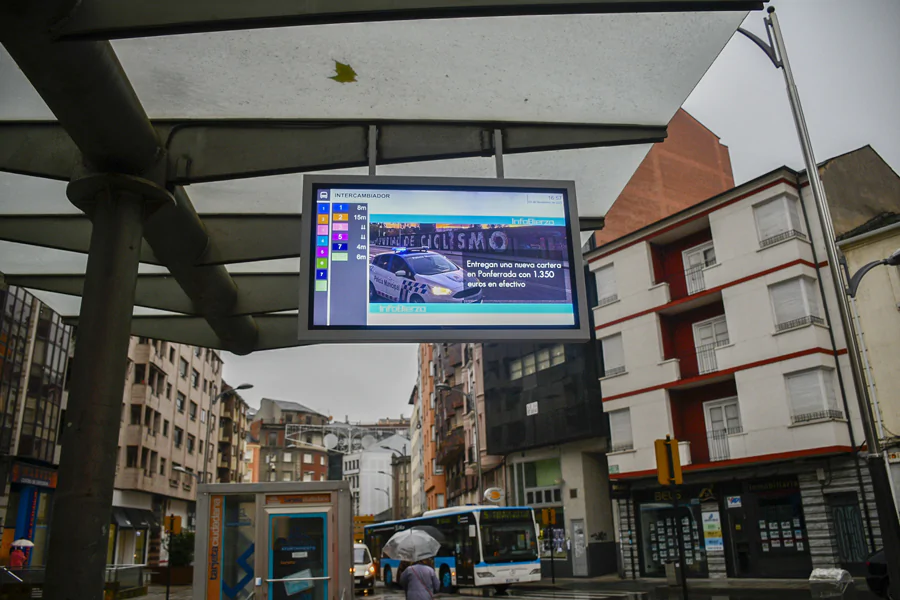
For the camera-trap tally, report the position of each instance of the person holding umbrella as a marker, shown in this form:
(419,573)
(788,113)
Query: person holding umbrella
(416,547)
(17,558)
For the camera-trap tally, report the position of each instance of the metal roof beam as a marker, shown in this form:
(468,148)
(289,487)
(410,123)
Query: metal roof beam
(235,238)
(259,292)
(110,19)
(214,150)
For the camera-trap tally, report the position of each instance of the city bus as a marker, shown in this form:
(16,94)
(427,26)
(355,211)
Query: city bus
(483,546)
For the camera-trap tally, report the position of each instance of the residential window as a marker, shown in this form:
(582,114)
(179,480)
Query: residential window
(307,476)
(140,373)
(192,411)
(606,285)
(273,438)
(811,395)
(613,355)
(169,391)
(136,411)
(131,457)
(176,470)
(200,447)
(203,415)
(198,351)
(620,430)
(162,466)
(286,457)
(696,260)
(172,355)
(205,383)
(192,443)
(778,220)
(272,476)
(543,359)
(179,402)
(178,437)
(286,476)
(436,468)
(182,368)
(795,303)
(723,419)
(195,379)
(557,355)
(528,365)
(307,459)
(322,460)
(165,429)
(440,501)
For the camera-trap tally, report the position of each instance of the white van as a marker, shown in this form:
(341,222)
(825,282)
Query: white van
(363,568)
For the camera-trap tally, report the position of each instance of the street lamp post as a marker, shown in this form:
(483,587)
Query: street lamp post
(470,400)
(211,425)
(887,511)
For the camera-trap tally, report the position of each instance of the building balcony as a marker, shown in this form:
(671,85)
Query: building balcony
(703,360)
(695,278)
(460,484)
(451,446)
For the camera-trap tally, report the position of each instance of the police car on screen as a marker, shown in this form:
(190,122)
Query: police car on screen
(420,275)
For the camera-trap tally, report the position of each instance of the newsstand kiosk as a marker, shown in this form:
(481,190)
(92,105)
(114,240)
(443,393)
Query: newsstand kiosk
(274,541)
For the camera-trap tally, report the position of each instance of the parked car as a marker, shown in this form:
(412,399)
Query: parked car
(363,568)
(877,575)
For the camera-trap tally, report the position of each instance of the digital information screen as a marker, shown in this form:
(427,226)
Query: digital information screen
(433,259)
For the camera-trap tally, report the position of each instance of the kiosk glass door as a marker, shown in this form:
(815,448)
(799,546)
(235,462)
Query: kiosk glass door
(298,555)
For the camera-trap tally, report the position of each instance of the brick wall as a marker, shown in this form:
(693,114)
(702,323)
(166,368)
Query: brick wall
(690,166)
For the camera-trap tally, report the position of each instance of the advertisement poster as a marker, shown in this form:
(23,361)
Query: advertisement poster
(712,531)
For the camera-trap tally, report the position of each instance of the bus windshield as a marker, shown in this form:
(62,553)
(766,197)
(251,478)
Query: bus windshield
(508,536)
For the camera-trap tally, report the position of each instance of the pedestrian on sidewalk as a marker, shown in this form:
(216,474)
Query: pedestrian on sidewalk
(16,559)
(420,581)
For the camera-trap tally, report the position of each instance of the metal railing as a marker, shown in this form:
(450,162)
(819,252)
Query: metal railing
(608,300)
(817,416)
(807,320)
(719,448)
(610,371)
(784,235)
(621,447)
(694,278)
(126,576)
(706,356)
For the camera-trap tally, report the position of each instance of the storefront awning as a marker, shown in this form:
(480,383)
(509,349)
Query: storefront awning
(133,518)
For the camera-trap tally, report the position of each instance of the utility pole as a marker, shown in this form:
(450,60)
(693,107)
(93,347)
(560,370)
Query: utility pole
(887,512)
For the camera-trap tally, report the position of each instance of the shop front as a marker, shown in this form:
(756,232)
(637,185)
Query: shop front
(29,510)
(751,528)
(129,535)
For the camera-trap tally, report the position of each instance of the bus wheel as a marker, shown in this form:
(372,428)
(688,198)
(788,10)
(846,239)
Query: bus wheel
(388,577)
(501,589)
(446,580)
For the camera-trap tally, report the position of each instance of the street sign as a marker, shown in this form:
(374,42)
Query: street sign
(172,524)
(668,462)
(548,516)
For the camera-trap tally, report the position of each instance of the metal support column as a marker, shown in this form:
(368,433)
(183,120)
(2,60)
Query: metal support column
(76,565)
(887,512)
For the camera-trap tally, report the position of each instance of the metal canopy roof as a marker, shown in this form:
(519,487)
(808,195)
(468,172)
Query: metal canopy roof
(229,119)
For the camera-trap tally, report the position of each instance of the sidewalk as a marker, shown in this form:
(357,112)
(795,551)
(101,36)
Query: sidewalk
(178,592)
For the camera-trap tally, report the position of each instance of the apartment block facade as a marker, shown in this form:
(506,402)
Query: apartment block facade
(233,429)
(435,487)
(291,442)
(167,444)
(718,326)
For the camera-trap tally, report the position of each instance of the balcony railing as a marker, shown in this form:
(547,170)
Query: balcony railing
(695,279)
(610,371)
(621,447)
(817,416)
(719,448)
(706,356)
(807,320)
(785,235)
(450,447)
(608,300)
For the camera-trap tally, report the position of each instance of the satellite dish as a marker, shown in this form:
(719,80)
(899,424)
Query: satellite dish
(331,441)
(367,441)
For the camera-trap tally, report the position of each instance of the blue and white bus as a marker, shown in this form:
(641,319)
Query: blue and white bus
(480,546)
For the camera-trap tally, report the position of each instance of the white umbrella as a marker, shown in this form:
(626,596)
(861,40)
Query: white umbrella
(23,543)
(411,545)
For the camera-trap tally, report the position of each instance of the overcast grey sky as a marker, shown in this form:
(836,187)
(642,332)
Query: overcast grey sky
(845,57)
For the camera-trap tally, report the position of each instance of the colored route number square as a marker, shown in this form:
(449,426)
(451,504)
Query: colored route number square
(340,217)
(321,229)
(323,208)
(321,285)
(321,263)
(340,227)
(341,207)
(340,237)
(339,257)
(322,240)
(322,252)
(339,247)
(321,273)
(323,219)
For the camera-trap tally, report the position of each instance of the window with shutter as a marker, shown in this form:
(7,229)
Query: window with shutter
(811,396)
(515,369)
(795,303)
(620,430)
(777,220)
(613,355)
(606,285)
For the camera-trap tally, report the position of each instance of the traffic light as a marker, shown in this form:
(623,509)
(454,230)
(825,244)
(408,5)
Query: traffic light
(668,462)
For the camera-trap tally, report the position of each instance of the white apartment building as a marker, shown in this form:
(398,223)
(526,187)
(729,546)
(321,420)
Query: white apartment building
(714,329)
